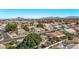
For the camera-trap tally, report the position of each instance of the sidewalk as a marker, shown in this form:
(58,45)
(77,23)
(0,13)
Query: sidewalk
(55,44)
(76,47)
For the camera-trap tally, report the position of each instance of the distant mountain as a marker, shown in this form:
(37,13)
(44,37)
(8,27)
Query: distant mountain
(72,17)
(43,18)
(51,18)
(19,18)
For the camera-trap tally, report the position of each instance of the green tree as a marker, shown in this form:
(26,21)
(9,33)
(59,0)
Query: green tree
(40,25)
(32,23)
(13,41)
(0,35)
(11,27)
(69,36)
(26,28)
(10,45)
(77,23)
(30,41)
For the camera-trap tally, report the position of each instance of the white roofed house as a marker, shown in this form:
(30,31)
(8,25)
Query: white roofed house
(38,30)
(2,26)
(35,23)
(76,28)
(31,28)
(19,34)
(71,35)
(21,31)
(58,26)
(71,31)
(48,27)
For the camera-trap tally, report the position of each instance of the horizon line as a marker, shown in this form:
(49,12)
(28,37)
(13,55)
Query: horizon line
(38,17)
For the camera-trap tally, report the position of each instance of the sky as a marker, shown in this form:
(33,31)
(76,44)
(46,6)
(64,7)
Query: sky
(37,13)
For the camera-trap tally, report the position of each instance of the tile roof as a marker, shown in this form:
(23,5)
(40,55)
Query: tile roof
(57,34)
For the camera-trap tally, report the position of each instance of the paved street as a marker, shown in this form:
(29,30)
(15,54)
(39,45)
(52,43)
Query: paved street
(5,35)
(76,47)
(54,44)
(70,46)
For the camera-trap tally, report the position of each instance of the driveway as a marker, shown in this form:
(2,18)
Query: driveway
(5,36)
